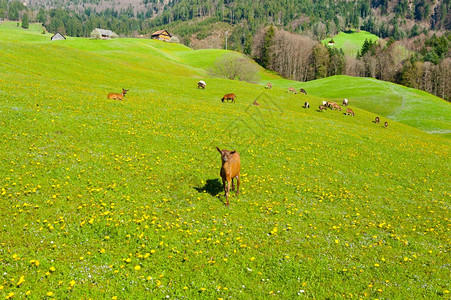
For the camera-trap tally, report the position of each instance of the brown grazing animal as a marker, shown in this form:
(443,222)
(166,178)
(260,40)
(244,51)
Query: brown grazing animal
(335,106)
(228,97)
(115,96)
(230,170)
(386,124)
(292,90)
(255,102)
(330,103)
(349,112)
(201,84)
(322,107)
(376,120)
(268,85)
(303,91)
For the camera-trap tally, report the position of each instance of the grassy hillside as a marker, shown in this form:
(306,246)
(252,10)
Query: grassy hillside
(103,198)
(406,105)
(350,41)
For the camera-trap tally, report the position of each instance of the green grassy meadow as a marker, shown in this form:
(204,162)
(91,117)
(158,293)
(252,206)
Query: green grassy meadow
(109,199)
(351,41)
(395,102)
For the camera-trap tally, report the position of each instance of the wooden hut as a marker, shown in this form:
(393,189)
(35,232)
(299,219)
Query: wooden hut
(162,35)
(57,36)
(103,34)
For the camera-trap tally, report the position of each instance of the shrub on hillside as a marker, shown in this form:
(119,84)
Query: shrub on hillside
(174,39)
(235,67)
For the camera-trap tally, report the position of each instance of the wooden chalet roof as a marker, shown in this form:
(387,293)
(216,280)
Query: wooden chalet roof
(104,32)
(161,32)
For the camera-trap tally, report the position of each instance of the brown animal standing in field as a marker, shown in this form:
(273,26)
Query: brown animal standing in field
(255,102)
(349,112)
(322,107)
(230,170)
(292,90)
(303,91)
(330,103)
(201,84)
(115,96)
(228,97)
(268,85)
(376,120)
(335,106)
(386,124)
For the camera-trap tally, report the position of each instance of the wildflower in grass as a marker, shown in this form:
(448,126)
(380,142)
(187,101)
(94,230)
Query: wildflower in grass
(50,294)
(21,280)
(376,265)
(28,293)
(137,267)
(10,295)
(252,258)
(72,283)
(52,269)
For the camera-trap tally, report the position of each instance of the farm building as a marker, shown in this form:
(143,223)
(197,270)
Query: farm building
(57,36)
(103,34)
(162,35)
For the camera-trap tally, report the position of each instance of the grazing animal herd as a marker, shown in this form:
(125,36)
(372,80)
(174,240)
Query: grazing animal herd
(231,164)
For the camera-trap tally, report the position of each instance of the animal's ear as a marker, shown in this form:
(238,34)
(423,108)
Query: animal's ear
(219,150)
(232,152)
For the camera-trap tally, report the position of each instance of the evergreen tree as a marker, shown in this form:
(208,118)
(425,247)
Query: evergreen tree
(25,23)
(41,16)
(266,50)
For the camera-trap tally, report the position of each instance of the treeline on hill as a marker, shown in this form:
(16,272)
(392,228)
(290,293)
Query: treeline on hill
(292,49)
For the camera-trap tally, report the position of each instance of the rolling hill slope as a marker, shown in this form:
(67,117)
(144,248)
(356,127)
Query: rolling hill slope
(104,198)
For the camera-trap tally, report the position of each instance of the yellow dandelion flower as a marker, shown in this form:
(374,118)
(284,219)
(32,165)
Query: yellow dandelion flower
(21,280)
(52,269)
(50,294)
(137,267)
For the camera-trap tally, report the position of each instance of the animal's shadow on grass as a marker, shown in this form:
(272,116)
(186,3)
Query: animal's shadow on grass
(212,186)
